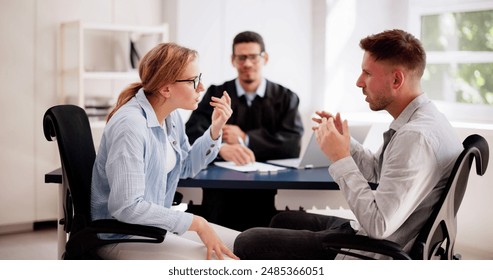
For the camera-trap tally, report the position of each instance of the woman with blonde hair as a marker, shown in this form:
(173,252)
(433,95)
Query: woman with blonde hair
(144,151)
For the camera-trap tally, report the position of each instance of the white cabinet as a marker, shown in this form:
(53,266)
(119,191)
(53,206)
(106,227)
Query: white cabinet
(97,62)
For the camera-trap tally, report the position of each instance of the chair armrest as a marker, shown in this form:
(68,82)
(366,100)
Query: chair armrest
(115,226)
(84,243)
(340,243)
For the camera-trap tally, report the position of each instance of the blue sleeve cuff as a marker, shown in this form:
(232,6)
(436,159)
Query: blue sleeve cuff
(184,222)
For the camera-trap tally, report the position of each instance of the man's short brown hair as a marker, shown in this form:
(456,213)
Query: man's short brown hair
(398,48)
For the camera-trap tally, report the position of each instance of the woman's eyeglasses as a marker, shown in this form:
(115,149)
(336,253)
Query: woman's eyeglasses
(195,81)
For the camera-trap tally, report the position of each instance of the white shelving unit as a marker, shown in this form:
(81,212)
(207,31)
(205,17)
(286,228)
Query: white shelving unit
(95,59)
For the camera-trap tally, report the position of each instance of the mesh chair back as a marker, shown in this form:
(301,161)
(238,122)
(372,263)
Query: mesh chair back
(437,239)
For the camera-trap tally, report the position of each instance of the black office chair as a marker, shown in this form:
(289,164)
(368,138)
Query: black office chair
(437,238)
(69,126)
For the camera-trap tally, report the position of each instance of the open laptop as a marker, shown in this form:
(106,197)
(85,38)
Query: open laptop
(312,157)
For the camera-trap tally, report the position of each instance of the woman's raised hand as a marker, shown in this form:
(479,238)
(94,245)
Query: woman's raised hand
(222,112)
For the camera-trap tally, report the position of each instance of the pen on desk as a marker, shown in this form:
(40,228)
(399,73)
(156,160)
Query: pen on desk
(241,141)
(243,144)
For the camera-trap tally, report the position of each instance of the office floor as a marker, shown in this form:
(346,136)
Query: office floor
(39,244)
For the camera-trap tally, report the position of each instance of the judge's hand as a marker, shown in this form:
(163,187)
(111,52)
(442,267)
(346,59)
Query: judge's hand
(231,133)
(237,153)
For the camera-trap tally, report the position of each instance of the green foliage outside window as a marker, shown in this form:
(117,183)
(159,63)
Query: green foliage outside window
(459,32)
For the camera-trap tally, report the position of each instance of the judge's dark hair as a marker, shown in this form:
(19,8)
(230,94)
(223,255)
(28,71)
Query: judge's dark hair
(249,37)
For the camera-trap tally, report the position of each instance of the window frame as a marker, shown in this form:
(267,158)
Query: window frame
(454,110)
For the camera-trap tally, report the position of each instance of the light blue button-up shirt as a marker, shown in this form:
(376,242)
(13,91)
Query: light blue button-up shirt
(251,95)
(129,181)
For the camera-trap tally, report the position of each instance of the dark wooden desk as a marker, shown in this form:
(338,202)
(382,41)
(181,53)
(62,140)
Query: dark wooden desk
(217,177)
(54,176)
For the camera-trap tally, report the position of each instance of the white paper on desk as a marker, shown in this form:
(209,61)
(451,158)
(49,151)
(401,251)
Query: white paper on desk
(251,167)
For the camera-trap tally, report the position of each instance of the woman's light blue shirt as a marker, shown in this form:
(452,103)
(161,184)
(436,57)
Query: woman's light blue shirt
(129,181)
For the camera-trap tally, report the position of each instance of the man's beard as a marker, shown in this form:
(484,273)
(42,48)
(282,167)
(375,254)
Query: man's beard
(248,81)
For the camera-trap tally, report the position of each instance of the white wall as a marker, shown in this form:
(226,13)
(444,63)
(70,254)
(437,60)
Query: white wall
(17,56)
